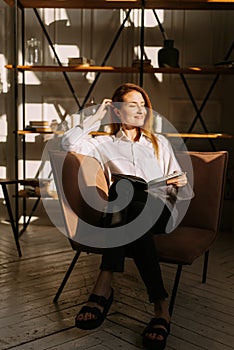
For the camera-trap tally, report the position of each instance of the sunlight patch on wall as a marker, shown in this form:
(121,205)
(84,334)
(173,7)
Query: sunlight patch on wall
(3,73)
(32,167)
(2,176)
(3,128)
(33,218)
(152,54)
(31,78)
(33,112)
(59,108)
(65,51)
(135,18)
(57,14)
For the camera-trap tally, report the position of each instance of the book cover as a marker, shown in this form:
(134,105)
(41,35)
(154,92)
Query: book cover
(161,181)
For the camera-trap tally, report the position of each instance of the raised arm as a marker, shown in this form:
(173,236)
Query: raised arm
(73,137)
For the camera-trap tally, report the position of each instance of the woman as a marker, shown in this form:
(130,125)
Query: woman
(131,147)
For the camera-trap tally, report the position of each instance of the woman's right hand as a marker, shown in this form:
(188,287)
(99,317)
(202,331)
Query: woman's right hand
(101,112)
(98,116)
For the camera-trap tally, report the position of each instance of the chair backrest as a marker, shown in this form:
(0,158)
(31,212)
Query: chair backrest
(81,186)
(71,168)
(209,170)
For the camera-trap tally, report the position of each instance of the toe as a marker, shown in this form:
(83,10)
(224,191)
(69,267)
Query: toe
(154,336)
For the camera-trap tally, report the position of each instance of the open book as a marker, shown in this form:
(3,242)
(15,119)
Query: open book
(160,181)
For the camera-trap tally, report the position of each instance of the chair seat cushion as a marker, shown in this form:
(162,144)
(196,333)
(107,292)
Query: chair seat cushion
(183,245)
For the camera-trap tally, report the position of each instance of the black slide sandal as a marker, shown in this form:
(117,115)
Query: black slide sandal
(156,344)
(99,316)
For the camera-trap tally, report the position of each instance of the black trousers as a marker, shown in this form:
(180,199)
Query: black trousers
(142,250)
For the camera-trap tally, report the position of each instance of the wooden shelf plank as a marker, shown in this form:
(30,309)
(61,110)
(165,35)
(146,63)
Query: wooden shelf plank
(127,4)
(80,68)
(112,69)
(26,132)
(200,136)
(182,135)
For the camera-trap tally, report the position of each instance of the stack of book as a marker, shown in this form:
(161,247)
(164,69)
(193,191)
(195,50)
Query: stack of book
(38,126)
(80,61)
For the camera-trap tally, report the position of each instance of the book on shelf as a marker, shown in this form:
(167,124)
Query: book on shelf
(38,126)
(138,181)
(42,129)
(80,61)
(39,123)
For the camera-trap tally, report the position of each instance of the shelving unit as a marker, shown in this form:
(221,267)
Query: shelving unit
(142,5)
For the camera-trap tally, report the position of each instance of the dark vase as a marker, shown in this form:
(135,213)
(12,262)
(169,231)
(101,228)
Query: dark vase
(168,56)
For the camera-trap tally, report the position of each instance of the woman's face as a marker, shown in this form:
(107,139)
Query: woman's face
(132,111)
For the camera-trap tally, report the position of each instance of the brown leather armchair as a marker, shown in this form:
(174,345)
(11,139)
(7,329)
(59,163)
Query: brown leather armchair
(193,238)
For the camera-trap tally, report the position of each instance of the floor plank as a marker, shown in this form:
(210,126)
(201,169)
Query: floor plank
(29,320)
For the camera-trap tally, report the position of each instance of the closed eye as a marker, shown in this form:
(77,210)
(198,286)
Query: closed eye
(132,104)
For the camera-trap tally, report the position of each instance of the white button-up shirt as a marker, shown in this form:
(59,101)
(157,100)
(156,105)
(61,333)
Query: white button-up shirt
(118,154)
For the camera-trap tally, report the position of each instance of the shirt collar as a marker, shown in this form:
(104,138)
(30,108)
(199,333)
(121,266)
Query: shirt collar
(122,136)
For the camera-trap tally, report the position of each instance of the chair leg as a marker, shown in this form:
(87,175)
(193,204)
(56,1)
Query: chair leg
(175,287)
(67,275)
(205,267)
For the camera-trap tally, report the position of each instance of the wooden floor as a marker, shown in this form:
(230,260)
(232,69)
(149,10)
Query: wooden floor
(203,316)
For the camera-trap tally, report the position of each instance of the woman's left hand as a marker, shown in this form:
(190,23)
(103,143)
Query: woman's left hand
(178,181)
